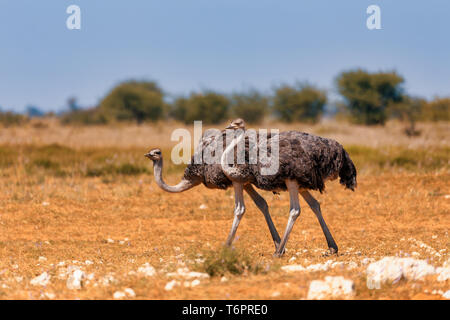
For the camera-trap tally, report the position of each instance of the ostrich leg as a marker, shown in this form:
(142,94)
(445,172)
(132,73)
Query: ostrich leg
(294,212)
(262,205)
(239,209)
(315,206)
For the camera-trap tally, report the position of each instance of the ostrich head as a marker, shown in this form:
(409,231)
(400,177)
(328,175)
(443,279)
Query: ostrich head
(154,154)
(237,124)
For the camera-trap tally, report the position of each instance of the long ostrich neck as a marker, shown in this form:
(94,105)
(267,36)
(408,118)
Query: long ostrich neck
(183,185)
(223,160)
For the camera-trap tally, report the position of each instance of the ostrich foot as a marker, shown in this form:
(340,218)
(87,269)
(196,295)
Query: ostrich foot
(331,251)
(279,254)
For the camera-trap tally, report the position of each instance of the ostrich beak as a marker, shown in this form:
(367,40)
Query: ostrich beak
(231,126)
(147,155)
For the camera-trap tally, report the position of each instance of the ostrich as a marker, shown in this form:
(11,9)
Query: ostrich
(211,176)
(305,163)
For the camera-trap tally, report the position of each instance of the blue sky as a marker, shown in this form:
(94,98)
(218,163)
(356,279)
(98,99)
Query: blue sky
(223,45)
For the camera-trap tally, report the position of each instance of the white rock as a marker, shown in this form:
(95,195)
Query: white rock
(195,283)
(446,264)
(203,207)
(88,262)
(110,240)
(41,280)
(332,287)
(446,295)
(63,273)
(130,292)
(45,203)
(444,274)
(319,266)
(437,292)
(171,284)
(293,268)
(223,279)
(392,269)
(146,270)
(119,295)
(366,261)
(74,281)
(338,264)
(185,273)
(49,295)
(275,294)
(108,279)
(42,259)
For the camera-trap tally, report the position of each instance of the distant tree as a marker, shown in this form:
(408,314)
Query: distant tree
(178,109)
(369,95)
(210,107)
(302,102)
(33,112)
(134,100)
(437,110)
(251,106)
(72,104)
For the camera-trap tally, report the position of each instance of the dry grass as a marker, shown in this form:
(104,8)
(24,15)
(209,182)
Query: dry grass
(49,131)
(52,207)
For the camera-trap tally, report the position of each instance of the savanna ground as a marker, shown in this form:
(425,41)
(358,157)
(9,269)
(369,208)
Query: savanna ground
(85,197)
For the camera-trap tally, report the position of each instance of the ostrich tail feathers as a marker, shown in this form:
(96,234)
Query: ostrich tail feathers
(347,173)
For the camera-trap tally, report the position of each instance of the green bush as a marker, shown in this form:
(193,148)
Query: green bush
(8,119)
(84,117)
(250,106)
(231,260)
(409,110)
(369,95)
(210,107)
(302,102)
(133,100)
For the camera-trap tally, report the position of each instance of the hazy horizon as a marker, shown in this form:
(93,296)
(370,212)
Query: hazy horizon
(225,46)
